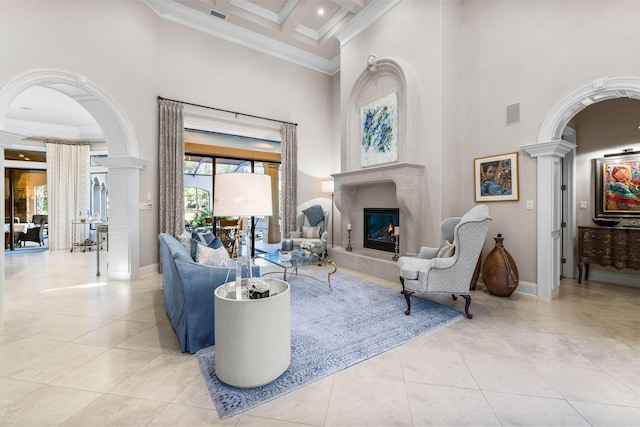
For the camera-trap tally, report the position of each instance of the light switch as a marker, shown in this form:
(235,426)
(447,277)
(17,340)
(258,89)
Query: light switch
(529,204)
(143,205)
(583,205)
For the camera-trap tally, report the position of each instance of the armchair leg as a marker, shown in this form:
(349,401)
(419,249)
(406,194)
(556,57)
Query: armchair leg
(402,283)
(407,296)
(466,306)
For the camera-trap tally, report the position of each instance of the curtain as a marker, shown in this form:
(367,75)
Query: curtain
(171,162)
(68,185)
(289,177)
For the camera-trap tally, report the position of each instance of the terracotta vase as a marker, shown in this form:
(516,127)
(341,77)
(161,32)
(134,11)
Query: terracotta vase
(499,272)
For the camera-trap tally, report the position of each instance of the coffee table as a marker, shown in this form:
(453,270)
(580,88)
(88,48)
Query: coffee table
(299,260)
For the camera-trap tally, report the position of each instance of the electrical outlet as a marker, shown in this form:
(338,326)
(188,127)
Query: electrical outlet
(143,205)
(529,204)
(149,205)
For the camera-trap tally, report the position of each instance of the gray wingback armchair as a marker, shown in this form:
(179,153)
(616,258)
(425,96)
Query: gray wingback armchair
(312,227)
(436,270)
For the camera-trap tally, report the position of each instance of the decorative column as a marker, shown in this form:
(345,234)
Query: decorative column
(273,170)
(549,233)
(124,224)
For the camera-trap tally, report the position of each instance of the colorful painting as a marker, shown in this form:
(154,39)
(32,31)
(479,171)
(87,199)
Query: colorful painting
(379,121)
(496,178)
(618,186)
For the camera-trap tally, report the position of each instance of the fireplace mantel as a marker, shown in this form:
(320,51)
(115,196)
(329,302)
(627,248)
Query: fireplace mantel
(408,179)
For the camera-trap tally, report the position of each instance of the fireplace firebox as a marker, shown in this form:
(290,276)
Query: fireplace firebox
(378,228)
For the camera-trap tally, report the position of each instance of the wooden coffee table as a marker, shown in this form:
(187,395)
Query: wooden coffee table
(299,260)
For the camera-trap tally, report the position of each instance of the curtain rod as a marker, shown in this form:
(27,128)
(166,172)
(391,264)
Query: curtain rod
(227,111)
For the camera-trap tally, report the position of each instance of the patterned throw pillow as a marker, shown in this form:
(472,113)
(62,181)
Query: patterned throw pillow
(214,257)
(311,232)
(185,239)
(446,250)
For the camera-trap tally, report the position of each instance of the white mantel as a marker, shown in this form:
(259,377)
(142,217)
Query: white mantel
(408,180)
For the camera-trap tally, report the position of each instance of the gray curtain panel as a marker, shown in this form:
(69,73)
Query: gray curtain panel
(171,162)
(288,133)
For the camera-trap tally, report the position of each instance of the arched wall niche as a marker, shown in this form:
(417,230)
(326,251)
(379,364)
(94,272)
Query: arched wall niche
(382,77)
(548,151)
(123,162)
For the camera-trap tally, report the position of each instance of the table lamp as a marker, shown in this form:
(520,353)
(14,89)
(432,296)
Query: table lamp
(244,195)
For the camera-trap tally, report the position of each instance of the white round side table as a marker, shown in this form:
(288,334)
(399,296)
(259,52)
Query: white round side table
(252,336)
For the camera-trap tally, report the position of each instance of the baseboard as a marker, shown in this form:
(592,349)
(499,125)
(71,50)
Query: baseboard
(524,288)
(148,270)
(616,278)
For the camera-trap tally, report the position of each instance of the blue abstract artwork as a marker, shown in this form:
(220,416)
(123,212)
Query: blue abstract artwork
(379,121)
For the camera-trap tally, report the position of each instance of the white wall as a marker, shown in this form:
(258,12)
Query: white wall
(136,56)
(533,53)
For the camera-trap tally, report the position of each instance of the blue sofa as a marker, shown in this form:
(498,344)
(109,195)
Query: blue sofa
(188,293)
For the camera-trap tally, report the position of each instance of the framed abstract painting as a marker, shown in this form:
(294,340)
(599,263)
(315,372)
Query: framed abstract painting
(379,130)
(617,186)
(496,178)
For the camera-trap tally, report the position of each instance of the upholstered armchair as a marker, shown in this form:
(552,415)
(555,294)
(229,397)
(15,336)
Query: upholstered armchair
(312,227)
(449,268)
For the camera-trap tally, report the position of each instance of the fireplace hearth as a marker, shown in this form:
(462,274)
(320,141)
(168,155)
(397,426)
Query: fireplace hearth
(379,224)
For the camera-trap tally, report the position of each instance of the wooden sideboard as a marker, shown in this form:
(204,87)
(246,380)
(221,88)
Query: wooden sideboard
(615,246)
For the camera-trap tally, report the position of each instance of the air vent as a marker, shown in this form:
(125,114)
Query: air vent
(217,14)
(513,113)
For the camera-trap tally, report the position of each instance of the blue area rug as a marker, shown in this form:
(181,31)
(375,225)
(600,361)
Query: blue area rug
(332,330)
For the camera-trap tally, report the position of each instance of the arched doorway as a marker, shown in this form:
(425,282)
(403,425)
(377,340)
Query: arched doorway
(549,150)
(123,162)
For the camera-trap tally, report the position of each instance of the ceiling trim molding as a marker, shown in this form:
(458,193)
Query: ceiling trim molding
(267,14)
(180,14)
(317,35)
(366,17)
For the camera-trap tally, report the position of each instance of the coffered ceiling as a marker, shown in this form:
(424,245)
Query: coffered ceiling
(307,32)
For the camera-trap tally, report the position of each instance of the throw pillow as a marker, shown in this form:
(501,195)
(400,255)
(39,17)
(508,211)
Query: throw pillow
(205,237)
(446,250)
(185,239)
(314,215)
(311,232)
(215,257)
(215,244)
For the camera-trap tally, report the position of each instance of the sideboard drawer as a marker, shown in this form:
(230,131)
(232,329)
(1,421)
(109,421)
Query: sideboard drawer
(590,235)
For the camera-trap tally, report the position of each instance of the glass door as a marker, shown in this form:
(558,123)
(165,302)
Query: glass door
(26,204)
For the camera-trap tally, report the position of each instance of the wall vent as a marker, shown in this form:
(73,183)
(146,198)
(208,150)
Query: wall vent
(217,14)
(513,113)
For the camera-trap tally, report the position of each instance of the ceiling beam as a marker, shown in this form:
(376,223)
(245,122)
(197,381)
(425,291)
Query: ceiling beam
(297,16)
(354,6)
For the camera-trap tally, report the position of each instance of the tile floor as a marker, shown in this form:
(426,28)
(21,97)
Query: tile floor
(80,351)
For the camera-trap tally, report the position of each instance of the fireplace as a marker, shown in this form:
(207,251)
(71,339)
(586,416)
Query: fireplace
(378,228)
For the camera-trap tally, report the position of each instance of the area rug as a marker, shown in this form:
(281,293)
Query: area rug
(331,330)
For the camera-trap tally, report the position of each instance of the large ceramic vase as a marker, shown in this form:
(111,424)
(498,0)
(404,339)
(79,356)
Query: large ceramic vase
(499,272)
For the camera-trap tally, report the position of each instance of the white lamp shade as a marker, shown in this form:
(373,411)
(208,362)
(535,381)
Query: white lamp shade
(326,186)
(242,194)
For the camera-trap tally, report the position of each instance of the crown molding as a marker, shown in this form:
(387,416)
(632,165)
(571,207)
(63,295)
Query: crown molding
(180,14)
(362,20)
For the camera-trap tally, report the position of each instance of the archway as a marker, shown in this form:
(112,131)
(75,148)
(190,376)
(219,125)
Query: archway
(549,150)
(123,162)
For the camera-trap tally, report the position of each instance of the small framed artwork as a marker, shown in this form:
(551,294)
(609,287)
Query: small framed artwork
(496,178)
(617,186)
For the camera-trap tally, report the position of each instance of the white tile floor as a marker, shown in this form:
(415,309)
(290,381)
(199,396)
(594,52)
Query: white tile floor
(77,350)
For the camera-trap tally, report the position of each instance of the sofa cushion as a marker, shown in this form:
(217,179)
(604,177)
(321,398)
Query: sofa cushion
(314,214)
(218,257)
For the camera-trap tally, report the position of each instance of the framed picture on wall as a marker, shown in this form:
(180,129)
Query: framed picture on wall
(496,178)
(617,186)
(379,130)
